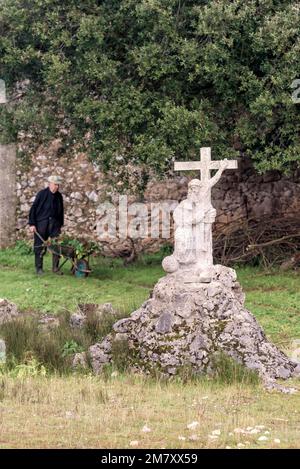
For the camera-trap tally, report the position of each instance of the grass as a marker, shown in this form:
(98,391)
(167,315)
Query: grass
(93,412)
(109,411)
(54,347)
(273,297)
(125,288)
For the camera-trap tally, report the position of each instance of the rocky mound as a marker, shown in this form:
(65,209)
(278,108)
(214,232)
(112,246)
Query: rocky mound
(188,324)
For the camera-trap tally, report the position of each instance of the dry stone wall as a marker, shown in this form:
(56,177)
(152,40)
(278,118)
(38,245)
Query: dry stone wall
(7,195)
(239,195)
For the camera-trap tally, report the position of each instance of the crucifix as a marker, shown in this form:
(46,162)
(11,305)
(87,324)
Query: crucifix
(205,165)
(194,216)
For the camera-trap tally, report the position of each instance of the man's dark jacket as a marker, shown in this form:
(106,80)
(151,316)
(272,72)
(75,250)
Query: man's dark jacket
(45,205)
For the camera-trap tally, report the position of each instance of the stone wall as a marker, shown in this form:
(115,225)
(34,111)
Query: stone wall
(240,194)
(7,195)
(82,190)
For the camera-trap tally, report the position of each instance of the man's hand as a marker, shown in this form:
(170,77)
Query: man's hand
(224,164)
(33,229)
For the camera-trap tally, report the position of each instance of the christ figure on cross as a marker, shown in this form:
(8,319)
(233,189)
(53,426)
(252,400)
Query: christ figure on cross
(194,217)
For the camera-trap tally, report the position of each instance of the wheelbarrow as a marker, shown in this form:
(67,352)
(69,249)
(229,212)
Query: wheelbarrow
(80,265)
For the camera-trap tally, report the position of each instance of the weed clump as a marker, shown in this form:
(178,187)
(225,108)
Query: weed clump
(228,371)
(120,354)
(52,347)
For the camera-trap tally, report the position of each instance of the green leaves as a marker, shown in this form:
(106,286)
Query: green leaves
(81,249)
(70,348)
(138,84)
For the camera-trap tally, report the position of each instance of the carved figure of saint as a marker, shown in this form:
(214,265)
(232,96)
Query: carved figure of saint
(193,219)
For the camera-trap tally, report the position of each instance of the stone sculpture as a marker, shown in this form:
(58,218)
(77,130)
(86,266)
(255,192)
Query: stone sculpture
(192,260)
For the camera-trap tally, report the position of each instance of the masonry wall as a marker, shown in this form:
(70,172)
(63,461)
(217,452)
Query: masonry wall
(240,194)
(8,200)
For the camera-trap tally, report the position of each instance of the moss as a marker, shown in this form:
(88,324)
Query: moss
(220,326)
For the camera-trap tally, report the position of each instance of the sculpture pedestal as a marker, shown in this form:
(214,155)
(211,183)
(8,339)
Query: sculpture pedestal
(195,276)
(190,273)
(189,323)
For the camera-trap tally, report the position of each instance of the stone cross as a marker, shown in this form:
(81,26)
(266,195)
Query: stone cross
(205,165)
(193,217)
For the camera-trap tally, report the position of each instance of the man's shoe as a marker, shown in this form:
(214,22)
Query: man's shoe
(39,271)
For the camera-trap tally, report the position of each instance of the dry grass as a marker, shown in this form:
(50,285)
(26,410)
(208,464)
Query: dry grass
(80,411)
(92,412)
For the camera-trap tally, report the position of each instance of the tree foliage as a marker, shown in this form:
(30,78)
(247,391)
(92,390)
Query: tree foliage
(143,82)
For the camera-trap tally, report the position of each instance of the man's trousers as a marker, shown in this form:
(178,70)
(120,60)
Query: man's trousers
(48,228)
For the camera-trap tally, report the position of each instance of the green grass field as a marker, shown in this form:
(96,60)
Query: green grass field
(110,411)
(274,298)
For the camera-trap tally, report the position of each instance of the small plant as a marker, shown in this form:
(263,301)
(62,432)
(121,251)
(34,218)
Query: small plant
(19,336)
(166,250)
(24,248)
(31,368)
(70,348)
(186,373)
(51,347)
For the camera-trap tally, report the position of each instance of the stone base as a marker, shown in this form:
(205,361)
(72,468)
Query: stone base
(188,323)
(194,278)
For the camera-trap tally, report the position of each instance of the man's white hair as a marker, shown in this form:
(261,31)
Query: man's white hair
(55,179)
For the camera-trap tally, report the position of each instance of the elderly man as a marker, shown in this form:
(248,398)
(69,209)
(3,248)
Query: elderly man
(46,217)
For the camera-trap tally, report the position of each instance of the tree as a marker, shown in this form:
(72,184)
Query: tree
(139,83)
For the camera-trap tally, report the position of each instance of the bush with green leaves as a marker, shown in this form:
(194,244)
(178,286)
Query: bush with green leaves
(137,84)
(70,348)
